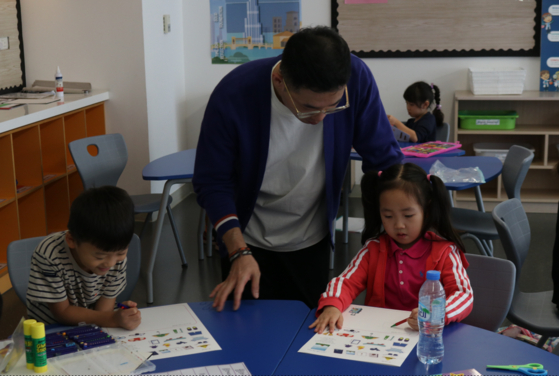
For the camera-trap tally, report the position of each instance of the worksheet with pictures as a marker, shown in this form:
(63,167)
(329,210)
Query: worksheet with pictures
(367,336)
(224,369)
(166,332)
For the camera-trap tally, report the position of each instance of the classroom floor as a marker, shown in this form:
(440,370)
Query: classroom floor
(173,284)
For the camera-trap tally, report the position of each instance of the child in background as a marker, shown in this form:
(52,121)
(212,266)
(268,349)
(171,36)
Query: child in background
(393,263)
(76,275)
(420,98)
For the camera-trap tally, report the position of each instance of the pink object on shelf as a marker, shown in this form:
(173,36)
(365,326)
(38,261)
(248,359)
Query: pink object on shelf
(429,149)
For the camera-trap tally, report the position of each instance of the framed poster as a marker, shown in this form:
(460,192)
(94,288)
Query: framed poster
(12,68)
(549,72)
(245,30)
(440,28)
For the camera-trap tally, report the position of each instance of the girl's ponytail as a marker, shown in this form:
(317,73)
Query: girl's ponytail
(440,212)
(371,210)
(439,116)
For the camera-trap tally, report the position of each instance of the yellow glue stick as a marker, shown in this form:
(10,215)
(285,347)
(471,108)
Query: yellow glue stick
(28,343)
(39,347)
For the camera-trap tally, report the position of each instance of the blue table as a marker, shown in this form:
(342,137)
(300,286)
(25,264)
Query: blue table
(465,347)
(176,168)
(258,334)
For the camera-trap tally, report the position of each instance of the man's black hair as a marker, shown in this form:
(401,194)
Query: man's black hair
(103,217)
(317,59)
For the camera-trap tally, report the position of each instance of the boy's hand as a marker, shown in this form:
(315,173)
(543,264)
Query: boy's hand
(391,120)
(330,316)
(412,320)
(128,318)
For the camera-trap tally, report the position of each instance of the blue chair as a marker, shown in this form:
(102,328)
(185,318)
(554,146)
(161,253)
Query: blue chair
(531,310)
(20,253)
(443,132)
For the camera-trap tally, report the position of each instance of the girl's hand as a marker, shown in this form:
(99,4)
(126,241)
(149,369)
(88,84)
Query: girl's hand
(392,120)
(412,320)
(330,316)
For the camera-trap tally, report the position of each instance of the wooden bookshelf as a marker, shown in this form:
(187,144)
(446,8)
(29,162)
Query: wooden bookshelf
(537,125)
(38,179)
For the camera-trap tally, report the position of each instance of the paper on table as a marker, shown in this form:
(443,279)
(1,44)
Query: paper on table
(399,135)
(36,101)
(166,332)
(353,224)
(367,336)
(225,369)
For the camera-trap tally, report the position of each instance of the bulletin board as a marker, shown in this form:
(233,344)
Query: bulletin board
(12,72)
(440,28)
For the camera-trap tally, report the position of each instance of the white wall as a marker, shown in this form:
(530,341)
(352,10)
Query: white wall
(392,75)
(165,80)
(100,42)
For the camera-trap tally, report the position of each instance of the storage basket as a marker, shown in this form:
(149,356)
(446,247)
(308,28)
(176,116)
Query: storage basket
(497,149)
(488,120)
(496,80)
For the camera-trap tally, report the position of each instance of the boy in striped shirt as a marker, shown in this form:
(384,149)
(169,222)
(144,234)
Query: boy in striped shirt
(77,274)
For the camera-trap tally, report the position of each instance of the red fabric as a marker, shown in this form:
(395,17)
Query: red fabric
(405,271)
(368,268)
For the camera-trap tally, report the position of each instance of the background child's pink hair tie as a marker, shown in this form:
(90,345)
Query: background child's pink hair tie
(380,172)
(429,177)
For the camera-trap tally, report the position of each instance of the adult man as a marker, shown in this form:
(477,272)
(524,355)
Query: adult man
(272,154)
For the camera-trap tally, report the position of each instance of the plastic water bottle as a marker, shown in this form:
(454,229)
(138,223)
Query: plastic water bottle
(431,315)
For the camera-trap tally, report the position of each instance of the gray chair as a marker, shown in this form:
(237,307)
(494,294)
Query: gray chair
(478,225)
(533,311)
(443,132)
(19,265)
(492,281)
(105,169)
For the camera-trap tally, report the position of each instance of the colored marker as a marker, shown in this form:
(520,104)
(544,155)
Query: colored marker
(122,306)
(399,323)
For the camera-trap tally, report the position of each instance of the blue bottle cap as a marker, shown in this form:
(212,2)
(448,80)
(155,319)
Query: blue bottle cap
(433,275)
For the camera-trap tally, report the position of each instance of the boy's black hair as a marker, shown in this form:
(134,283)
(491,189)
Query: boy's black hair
(103,217)
(419,92)
(430,194)
(317,59)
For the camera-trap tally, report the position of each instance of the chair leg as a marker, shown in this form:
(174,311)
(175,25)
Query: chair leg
(484,251)
(542,341)
(177,239)
(148,218)
(488,244)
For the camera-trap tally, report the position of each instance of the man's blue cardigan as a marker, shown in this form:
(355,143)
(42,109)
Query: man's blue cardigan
(235,135)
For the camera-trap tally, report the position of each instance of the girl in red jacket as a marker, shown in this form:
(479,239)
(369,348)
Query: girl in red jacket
(407,232)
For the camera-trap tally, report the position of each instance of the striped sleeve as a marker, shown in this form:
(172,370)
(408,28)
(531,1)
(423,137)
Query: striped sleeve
(342,290)
(115,281)
(226,223)
(45,280)
(459,294)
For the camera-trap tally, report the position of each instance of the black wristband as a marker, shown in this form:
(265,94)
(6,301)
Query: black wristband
(238,253)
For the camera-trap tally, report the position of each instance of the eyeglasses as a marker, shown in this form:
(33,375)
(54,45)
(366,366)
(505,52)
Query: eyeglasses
(305,115)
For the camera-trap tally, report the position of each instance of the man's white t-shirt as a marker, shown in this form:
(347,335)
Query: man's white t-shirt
(290,211)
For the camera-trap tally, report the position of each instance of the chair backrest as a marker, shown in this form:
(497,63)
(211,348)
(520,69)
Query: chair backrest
(514,231)
(19,263)
(133,263)
(106,167)
(443,132)
(20,253)
(515,168)
(492,280)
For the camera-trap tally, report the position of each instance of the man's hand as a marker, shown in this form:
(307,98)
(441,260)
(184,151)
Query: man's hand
(330,316)
(128,318)
(412,320)
(243,269)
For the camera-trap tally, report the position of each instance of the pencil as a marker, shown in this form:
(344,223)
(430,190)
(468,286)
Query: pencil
(399,322)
